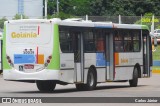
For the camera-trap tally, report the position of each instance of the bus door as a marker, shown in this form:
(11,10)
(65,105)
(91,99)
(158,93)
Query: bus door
(107,54)
(146,55)
(111,55)
(78,56)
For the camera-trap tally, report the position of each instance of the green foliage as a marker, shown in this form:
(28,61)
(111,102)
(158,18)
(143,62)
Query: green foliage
(105,7)
(147,20)
(158,27)
(61,15)
(18,16)
(71,7)
(156,54)
(2,22)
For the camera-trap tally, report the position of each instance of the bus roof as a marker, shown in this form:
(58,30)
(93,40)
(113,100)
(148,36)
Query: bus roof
(82,23)
(28,21)
(131,26)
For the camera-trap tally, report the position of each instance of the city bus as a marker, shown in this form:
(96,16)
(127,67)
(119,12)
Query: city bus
(74,51)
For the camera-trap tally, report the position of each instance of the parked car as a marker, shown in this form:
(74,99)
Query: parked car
(157,33)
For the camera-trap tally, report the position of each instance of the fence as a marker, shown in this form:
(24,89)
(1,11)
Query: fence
(145,20)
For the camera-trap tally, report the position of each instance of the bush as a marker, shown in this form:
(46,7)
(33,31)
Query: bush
(18,16)
(2,22)
(60,15)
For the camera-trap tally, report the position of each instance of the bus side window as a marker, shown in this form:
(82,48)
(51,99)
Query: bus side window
(136,42)
(89,44)
(100,40)
(100,44)
(118,41)
(128,45)
(66,41)
(118,46)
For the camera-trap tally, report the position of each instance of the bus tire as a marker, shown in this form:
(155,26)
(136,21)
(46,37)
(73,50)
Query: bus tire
(46,86)
(1,71)
(91,81)
(80,87)
(134,81)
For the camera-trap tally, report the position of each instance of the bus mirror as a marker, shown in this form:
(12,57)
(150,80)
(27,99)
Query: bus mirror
(155,41)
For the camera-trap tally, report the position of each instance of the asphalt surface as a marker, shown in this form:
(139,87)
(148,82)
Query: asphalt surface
(147,87)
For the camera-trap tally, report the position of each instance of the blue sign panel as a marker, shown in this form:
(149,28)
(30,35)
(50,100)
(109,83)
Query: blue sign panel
(24,58)
(100,60)
(156,63)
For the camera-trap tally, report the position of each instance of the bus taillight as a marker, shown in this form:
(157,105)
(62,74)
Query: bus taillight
(48,60)
(50,57)
(8,57)
(9,61)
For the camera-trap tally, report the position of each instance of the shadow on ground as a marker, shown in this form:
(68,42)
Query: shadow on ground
(69,90)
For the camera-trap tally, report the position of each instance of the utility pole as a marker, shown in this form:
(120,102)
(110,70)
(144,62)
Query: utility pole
(45,9)
(57,6)
(120,21)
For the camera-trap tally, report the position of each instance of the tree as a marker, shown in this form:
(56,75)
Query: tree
(18,16)
(146,6)
(70,7)
(147,20)
(124,7)
(61,15)
(105,7)
(2,22)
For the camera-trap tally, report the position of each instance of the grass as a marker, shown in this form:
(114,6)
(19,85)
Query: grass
(156,68)
(156,53)
(156,56)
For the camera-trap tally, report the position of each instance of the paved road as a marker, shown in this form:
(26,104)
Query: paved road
(148,87)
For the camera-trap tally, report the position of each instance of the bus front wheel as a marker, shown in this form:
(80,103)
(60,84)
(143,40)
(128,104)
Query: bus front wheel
(134,81)
(46,86)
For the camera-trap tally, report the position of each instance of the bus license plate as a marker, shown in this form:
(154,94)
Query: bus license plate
(28,66)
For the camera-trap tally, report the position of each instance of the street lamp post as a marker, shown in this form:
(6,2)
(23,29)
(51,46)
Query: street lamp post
(57,6)
(46,9)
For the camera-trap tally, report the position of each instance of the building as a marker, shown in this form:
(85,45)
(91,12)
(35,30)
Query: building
(30,8)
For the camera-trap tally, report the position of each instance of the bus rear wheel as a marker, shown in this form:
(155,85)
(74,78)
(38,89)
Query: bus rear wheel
(91,81)
(134,81)
(46,86)
(1,71)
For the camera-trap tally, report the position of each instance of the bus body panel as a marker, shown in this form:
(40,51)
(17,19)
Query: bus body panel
(16,75)
(125,63)
(5,61)
(28,48)
(95,60)
(67,67)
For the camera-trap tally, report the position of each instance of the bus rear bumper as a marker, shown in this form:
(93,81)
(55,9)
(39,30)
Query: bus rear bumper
(41,75)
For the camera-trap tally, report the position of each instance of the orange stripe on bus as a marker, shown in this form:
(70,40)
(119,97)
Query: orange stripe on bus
(40,59)
(116,58)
